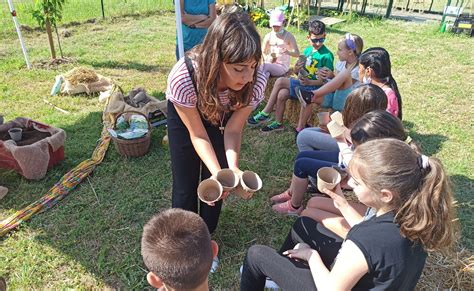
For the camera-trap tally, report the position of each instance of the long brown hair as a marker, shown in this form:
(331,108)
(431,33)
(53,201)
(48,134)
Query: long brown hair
(232,38)
(423,198)
(361,100)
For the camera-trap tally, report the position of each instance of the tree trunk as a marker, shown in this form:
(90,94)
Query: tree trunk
(50,38)
(262,4)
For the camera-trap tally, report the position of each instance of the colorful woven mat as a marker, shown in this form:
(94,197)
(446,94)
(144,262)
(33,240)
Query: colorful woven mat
(65,185)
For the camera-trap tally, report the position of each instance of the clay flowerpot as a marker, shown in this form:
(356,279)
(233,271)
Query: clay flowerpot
(327,178)
(250,183)
(323,118)
(15,133)
(228,179)
(209,190)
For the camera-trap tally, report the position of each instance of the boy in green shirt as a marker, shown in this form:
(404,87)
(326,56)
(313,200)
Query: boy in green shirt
(314,67)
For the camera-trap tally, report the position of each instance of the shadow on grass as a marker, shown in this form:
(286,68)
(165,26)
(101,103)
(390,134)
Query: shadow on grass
(127,66)
(430,143)
(464,195)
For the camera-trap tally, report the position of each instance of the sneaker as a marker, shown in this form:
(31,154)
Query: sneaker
(215,264)
(304,97)
(280,198)
(274,126)
(286,208)
(258,118)
(269,284)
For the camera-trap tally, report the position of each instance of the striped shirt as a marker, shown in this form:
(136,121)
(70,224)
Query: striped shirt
(180,89)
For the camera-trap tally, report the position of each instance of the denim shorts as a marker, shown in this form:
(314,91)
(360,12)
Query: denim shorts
(296,82)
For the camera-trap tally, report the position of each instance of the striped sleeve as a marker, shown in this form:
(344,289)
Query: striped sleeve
(259,88)
(180,89)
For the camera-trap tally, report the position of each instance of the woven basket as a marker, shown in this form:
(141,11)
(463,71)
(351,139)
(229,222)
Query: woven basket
(132,147)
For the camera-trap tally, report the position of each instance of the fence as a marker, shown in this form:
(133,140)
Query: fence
(80,10)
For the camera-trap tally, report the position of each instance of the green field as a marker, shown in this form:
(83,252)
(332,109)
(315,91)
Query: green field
(91,239)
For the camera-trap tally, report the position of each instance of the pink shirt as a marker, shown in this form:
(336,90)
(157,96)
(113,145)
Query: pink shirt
(392,102)
(180,89)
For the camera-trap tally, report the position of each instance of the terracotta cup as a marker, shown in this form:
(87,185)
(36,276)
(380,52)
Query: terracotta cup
(337,117)
(323,118)
(335,129)
(327,178)
(228,179)
(210,190)
(250,183)
(15,133)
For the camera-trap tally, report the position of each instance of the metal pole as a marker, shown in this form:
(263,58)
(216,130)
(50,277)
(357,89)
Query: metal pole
(179,28)
(18,31)
(102,6)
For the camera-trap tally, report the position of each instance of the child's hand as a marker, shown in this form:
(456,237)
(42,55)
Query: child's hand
(305,81)
(337,196)
(301,253)
(325,73)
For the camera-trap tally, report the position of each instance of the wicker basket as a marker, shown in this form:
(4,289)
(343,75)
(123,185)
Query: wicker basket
(133,147)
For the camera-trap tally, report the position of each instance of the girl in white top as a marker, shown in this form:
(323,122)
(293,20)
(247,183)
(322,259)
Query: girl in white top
(278,45)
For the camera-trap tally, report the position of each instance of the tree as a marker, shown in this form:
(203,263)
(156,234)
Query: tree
(47,13)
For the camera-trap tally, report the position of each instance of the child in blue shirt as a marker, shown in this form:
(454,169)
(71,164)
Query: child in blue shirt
(316,65)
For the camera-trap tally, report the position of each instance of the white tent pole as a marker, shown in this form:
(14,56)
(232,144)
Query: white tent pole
(179,28)
(17,26)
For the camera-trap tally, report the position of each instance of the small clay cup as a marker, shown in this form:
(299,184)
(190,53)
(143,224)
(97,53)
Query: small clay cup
(323,118)
(335,129)
(337,117)
(250,183)
(210,191)
(228,179)
(15,133)
(327,178)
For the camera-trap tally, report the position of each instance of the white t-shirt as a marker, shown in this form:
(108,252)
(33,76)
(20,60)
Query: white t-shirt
(341,66)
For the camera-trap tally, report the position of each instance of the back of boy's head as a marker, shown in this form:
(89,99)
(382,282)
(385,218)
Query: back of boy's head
(363,99)
(176,247)
(316,27)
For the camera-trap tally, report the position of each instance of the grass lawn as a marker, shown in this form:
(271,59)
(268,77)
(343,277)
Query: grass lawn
(94,242)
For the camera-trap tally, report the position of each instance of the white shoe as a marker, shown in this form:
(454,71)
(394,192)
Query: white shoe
(269,284)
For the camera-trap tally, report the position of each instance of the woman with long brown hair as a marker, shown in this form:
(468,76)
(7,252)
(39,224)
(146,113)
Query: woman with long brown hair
(211,92)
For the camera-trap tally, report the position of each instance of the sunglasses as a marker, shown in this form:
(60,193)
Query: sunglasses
(316,40)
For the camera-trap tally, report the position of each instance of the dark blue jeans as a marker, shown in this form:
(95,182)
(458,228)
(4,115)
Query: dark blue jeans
(307,163)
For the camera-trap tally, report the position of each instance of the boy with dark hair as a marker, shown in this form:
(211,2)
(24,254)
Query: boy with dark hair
(313,69)
(177,250)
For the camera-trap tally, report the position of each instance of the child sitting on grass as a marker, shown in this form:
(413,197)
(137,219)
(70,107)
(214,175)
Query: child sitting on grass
(373,125)
(177,250)
(317,66)
(413,212)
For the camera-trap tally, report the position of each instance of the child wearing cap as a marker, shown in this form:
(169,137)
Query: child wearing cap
(278,46)
(317,64)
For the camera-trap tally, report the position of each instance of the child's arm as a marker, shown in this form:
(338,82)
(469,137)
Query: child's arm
(266,46)
(208,21)
(350,265)
(295,52)
(332,85)
(351,215)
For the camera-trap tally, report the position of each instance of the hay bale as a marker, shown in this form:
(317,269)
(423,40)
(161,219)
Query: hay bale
(292,113)
(81,75)
(453,270)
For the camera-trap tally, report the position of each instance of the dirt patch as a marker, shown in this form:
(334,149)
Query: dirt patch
(53,64)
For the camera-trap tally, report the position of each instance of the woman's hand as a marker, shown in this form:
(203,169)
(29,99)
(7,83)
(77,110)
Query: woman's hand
(337,196)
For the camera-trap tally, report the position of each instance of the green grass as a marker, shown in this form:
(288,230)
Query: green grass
(94,242)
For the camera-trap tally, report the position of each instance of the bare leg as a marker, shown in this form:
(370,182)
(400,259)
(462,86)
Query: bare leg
(283,95)
(331,221)
(281,83)
(297,189)
(305,113)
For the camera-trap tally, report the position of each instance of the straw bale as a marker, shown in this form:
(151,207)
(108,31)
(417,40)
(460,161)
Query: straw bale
(81,75)
(453,270)
(292,113)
